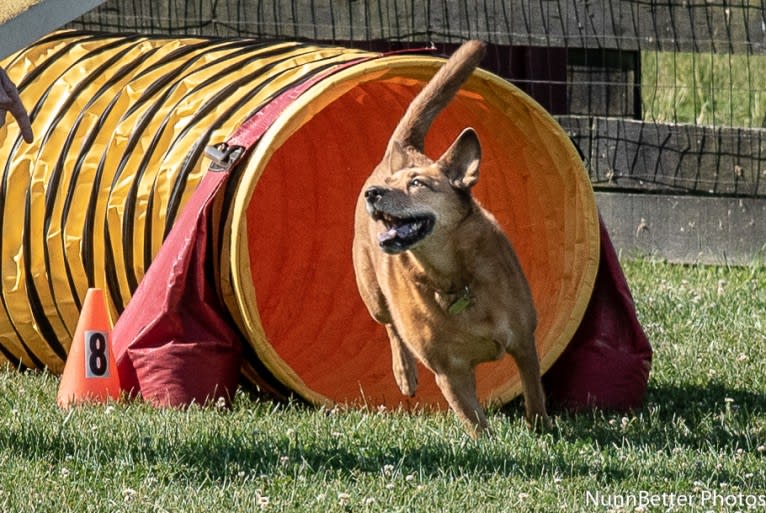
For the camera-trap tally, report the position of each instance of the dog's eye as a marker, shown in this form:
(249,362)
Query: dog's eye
(416,182)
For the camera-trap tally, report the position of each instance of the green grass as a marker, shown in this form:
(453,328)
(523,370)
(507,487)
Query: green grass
(704,88)
(702,434)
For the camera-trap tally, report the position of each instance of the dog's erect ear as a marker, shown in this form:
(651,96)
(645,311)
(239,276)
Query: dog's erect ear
(397,157)
(461,160)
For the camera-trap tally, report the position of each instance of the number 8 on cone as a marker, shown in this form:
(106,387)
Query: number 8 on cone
(90,371)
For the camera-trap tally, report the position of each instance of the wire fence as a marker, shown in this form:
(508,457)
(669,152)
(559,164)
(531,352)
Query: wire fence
(659,96)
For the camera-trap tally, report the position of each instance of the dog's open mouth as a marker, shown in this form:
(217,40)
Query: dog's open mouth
(403,233)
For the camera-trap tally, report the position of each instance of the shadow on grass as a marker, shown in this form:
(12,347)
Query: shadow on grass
(175,452)
(688,417)
(432,460)
(710,398)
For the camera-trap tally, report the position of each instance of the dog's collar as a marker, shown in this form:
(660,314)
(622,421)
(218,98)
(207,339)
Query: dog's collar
(464,301)
(453,301)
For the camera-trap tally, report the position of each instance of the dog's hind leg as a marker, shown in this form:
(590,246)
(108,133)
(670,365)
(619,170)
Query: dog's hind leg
(459,389)
(403,362)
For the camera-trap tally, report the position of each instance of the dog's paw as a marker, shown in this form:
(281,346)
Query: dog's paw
(407,380)
(539,423)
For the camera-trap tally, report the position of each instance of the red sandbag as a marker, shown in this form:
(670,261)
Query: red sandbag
(174,343)
(607,363)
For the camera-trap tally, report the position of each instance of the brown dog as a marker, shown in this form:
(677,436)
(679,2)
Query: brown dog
(435,268)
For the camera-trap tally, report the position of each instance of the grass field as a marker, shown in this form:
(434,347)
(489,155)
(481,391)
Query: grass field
(704,88)
(700,439)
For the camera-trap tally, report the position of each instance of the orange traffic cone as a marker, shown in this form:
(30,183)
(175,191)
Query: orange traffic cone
(90,372)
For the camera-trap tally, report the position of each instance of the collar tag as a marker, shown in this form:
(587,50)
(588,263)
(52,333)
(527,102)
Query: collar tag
(461,303)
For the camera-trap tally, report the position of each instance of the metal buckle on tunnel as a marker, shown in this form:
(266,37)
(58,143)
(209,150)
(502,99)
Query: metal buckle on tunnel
(224,157)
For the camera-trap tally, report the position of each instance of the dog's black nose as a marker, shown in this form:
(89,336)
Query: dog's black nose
(373,194)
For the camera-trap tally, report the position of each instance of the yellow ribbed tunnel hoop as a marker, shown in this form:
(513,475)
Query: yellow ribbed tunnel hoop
(118,149)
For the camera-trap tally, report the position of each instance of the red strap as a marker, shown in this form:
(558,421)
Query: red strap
(228,154)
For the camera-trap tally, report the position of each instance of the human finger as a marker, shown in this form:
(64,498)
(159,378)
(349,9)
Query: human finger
(11,101)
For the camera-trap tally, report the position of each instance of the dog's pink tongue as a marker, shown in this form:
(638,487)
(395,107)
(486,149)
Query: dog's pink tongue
(403,231)
(387,235)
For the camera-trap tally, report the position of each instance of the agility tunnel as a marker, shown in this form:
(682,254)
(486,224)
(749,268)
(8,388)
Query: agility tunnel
(121,124)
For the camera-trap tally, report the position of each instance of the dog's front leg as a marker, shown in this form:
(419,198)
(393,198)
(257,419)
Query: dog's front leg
(403,363)
(528,364)
(459,389)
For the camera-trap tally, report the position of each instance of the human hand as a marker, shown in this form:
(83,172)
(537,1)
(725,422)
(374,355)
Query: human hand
(11,102)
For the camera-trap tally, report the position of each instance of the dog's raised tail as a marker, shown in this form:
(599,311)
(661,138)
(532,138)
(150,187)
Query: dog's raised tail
(413,127)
